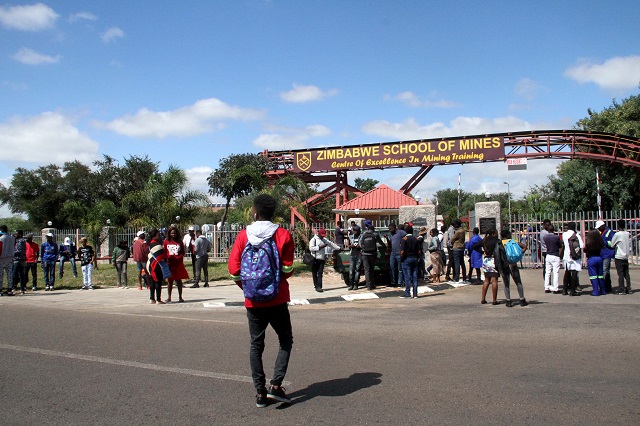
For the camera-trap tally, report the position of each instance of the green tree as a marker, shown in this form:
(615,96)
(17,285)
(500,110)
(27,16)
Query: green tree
(236,176)
(447,200)
(365,185)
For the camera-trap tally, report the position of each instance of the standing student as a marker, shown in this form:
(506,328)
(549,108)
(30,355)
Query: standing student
(203,245)
(86,254)
(119,260)
(607,254)
(174,249)
(571,266)
(510,270)
(32,255)
(68,254)
(368,242)
(20,262)
(474,248)
(621,241)
(274,312)
(437,261)
(7,247)
(410,251)
(546,225)
(318,246)
(396,236)
(490,266)
(457,243)
(140,251)
(339,233)
(155,258)
(355,254)
(552,261)
(49,251)
(189,241)
(592,249)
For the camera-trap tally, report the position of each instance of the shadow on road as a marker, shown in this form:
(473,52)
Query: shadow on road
(336,387)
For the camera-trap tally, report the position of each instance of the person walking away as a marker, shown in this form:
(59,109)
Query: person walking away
(422,268)
(447,236)
(140,251)
(474,248)
(19,272)
(32,251)
(355,261)
(621,241)
(174,249)
(592,249)
(68,254)
(368,242)
(457,242)
(86,255)
(571,266)
(607,254)
(7,247)
(49,251)
(155,260)
(552,244)
(274,312)
(489,266)
(395,266)
(318,247)
(189,242)
(410,251)
(202,247)
(119,260)
(510,270)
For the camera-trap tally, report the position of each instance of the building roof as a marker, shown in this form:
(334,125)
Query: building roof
(380,198)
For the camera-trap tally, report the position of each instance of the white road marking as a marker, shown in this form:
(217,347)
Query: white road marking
(298,302)
(134,364)
(359,296)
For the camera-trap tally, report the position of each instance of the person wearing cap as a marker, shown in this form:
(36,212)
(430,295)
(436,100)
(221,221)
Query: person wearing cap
(369,251)
(318,247)
(68,253)
(397,276)
(7,247)
(607,253)
(86,254)
(49,258)
(356,257)
(189,242)
(32,252)
(140,252)
(339,234)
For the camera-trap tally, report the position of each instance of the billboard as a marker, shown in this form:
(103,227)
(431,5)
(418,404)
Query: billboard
(400,154)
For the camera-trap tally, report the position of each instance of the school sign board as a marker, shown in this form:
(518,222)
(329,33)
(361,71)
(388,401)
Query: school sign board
(400,154)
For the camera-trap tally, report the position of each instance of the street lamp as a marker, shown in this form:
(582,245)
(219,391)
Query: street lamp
(49,224)
(417,198)
(108,222)
(509,200)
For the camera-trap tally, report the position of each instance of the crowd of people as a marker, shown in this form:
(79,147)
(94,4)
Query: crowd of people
(159,258)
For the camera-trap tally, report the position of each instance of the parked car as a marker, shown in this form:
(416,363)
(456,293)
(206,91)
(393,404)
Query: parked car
(342,260)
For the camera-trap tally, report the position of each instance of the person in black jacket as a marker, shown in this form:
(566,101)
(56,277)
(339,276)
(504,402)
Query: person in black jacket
(368,242)
(410,251)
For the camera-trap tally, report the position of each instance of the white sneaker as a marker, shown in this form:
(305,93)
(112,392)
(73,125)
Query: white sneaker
(90,287)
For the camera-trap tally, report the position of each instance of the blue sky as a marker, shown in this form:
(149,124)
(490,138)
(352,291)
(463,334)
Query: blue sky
(191,82)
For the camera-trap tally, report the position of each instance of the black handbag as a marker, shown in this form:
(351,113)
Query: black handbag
(308,259)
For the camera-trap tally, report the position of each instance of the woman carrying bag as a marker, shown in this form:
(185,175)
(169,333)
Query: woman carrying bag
(318,247)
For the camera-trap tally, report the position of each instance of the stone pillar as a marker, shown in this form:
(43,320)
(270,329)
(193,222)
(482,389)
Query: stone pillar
(420,215)
(488,216)
(107,235)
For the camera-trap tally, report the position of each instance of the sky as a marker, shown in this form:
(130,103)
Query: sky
(191,82)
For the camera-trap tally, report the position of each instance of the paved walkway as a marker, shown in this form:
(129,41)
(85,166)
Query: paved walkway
(227,294)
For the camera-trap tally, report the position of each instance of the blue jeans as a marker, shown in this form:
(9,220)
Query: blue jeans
(397,277)
(49,269)
(71,260)
(458,262)
(410,266)
(354,270)
(259,320)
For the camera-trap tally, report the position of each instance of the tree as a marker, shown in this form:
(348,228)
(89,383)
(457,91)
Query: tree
(447,200)
(365,185)
(236,176)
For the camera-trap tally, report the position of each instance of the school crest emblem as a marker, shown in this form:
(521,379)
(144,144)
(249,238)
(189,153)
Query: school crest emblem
(303,160)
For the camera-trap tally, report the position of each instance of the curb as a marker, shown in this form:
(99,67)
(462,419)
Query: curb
(350,297)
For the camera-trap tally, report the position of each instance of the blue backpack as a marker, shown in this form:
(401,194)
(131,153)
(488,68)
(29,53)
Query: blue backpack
(260,271)
(514,252)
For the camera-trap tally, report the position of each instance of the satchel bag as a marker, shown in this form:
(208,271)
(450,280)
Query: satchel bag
(308,259)
(164,266)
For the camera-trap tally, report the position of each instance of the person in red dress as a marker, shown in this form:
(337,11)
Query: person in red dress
(174,249)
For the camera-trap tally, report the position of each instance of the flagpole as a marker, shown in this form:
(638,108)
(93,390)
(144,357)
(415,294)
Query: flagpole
(459,194)
(599,197)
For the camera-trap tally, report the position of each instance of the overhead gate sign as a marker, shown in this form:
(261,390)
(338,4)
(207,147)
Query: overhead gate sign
(400,154)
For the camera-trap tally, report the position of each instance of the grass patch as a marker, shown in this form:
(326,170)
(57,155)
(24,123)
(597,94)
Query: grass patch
(105,275)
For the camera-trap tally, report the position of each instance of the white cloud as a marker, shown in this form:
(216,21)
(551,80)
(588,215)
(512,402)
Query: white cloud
(619,73)
(412,100)
(198,177)
(31,57)
(290,138)
(82,16)
(33,17)
(302,94)
(47,138)
(112,34)
(202,117)
(410,129)
(527,89)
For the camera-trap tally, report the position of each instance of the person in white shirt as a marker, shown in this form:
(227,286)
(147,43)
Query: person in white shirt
(318,247)
(571,266)
(621,241)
